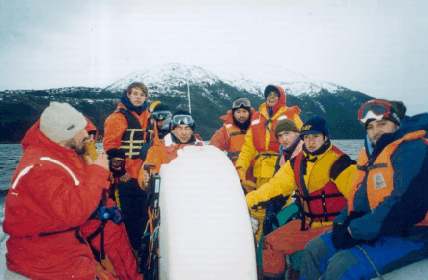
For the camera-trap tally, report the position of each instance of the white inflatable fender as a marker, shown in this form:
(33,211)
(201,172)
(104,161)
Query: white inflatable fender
(205,230)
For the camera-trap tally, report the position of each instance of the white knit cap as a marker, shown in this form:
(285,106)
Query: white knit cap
(61,121)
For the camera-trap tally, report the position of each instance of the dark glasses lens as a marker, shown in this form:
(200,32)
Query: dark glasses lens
(161,115)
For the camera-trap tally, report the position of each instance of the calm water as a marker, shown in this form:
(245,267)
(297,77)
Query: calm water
(11,153)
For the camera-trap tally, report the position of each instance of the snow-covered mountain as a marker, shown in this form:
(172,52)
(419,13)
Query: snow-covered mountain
(211,96)
(168,77)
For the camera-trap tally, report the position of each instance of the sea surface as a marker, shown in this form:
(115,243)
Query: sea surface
(11,153)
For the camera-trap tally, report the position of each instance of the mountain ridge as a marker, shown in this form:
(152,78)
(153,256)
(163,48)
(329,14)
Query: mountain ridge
(211,96)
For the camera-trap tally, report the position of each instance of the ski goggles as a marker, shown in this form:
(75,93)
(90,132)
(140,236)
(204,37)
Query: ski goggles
(183,120)
(376,109)
(161,115)
(241,102)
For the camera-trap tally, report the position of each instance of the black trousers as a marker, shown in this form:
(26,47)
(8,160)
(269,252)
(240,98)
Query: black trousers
(133,202)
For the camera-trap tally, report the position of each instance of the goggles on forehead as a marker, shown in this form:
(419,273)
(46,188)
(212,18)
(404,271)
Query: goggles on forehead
(375,109)
(161,115)
(241,102)
(182,119)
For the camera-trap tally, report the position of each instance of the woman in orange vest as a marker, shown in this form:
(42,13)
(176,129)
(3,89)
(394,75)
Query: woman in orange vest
(260,144)
(384,226)
(126,130)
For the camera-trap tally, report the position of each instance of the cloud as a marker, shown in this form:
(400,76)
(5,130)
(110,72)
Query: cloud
(367,45)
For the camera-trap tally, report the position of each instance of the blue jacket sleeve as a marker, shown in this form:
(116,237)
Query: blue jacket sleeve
(407,203)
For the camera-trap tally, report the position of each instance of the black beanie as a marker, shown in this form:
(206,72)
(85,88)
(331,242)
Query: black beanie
(314,125)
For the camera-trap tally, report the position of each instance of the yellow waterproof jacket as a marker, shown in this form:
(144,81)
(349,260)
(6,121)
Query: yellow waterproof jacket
(265,158)
(320,170)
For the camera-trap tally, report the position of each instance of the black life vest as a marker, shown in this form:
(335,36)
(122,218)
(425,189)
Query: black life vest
(134,137)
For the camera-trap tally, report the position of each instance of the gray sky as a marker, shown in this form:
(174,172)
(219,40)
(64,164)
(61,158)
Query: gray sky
(379,47)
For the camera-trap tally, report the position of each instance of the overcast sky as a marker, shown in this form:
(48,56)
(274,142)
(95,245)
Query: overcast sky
(379,47)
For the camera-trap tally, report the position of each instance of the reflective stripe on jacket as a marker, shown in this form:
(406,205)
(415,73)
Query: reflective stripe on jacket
(134,136)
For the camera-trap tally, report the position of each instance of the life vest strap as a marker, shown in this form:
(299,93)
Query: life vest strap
(267,154)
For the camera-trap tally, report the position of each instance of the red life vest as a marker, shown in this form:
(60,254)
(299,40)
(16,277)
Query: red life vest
(325,203)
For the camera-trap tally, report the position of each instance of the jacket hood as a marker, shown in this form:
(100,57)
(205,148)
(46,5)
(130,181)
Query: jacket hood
(281,102)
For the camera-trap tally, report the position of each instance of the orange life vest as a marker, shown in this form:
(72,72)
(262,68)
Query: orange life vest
(236,139)
(379,176)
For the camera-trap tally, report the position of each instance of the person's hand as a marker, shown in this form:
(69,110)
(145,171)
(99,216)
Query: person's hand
(146,181)
(248,185)
(125,178)
(342,238)
(101,161)
(252,200)
(242,174)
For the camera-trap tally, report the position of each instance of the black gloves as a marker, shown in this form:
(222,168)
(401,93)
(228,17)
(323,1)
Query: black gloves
(341,237)
(116,159)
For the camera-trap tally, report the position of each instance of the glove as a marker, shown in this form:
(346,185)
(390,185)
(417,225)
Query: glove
(248,185)
(242,174)
(341,237)
(251,199)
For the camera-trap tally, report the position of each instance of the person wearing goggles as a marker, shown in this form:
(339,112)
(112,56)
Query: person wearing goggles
(385,219)
(182,133)
(160,120)
(230,136)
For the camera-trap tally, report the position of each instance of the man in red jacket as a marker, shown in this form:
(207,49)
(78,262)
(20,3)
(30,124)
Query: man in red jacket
(53,192)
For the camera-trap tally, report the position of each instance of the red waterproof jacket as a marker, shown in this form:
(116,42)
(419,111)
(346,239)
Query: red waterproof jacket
(52,190)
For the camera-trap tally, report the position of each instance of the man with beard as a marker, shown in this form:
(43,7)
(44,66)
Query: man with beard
(126,130)
(230,137)
(53,193)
